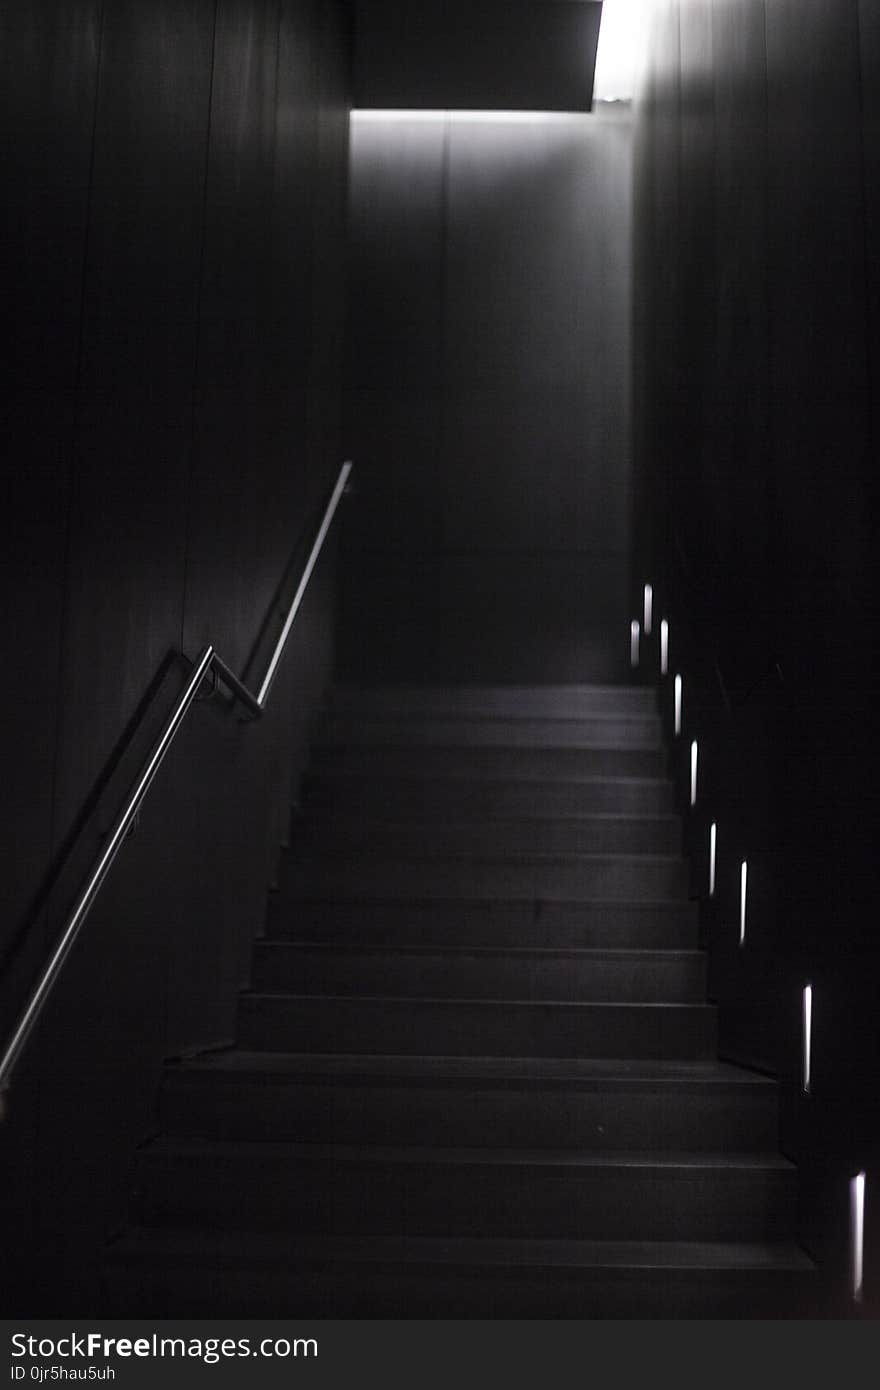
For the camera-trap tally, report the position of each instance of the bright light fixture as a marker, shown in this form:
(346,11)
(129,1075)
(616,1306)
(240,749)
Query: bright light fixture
(621,37)
(370,113)
(634,634)
(807,1078)
(857,1245)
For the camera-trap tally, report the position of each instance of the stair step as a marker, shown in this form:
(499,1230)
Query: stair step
(382,796)
(575,762)
(420,731)
(498,1102)
(533,877)
(572,835)
(516,701)
(204,1272)
(474,1027)
(385,1190)
(487,922)
(482,973)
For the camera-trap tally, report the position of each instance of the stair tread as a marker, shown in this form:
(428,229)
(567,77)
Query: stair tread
(630,955)
(421,1000)
(323,743)
(492,779)
(438,715)
(327,820)
(438,900)
(494,858)
(400,1066)
(406,1155)
(490,1252)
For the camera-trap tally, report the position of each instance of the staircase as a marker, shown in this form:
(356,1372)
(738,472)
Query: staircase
(476,1070)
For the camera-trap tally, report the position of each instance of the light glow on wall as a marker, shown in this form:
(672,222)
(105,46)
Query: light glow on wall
(664,647)
(677,714)
(743,886)
(713,842)
(694,773)
(649,609)
(634,644)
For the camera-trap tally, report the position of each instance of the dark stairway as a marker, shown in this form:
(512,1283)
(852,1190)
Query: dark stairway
(476,1072)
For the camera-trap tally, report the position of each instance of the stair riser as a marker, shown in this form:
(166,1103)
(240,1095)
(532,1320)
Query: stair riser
(622,877)
(511,1117)
(548,702)
(294,970)
(428,1027)
(388,798)
(350,731)
(537,763)
(599,835)
(269,1192)
(137,1288)
(621,926)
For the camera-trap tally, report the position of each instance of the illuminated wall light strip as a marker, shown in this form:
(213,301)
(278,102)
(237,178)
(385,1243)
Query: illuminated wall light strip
(857,1215)
(677,725)
(808,1038)
(485,117)
(713,841)
(634,644)
(694,773)
(649,609)
(664,647)
(743,884)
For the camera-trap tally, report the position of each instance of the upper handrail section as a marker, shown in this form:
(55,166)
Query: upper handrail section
(207,663)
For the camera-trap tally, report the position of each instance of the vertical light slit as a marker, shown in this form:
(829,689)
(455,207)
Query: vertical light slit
(857,1210)
(808,1038)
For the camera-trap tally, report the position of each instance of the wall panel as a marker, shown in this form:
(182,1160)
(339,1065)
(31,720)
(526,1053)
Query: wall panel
(178,177)
(489,390)
(756,508)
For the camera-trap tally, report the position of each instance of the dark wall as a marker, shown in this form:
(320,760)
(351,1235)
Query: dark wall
(757,144)
(488,397)
(175,183)
(498,55)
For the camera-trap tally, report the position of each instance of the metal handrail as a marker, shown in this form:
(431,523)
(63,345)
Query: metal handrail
(207,662)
